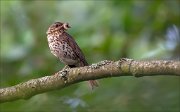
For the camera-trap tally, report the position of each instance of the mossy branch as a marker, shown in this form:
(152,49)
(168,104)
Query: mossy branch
(103,69)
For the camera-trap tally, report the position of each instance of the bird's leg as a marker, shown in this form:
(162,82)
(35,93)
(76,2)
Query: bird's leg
(66,67)
(64,72)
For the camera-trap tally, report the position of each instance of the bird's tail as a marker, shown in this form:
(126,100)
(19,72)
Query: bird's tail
(93,84)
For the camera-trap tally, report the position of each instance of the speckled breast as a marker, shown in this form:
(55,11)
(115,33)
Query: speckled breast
(62,50)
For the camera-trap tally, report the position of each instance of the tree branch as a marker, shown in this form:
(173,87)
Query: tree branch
(103,69)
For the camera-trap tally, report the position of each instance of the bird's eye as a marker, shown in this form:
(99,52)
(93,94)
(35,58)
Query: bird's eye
(57,25)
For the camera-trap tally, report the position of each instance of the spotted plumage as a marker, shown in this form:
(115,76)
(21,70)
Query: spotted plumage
(64,47)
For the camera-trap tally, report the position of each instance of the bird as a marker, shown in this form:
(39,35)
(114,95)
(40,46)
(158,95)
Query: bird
(64,47)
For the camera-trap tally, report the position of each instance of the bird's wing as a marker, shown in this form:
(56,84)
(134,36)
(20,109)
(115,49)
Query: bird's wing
(72,43)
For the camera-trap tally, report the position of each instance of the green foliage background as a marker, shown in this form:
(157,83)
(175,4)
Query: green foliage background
(139,29)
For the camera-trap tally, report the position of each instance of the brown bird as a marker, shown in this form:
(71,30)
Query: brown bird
(64,47)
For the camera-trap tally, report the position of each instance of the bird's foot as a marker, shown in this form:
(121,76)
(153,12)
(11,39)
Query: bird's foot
(66,67)
(63,73)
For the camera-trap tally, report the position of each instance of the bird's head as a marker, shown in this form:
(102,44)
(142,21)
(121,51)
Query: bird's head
(58,26)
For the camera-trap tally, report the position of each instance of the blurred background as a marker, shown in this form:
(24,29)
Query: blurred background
(142,30)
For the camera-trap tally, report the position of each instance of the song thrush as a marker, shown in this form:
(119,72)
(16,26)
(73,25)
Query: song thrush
(64,47)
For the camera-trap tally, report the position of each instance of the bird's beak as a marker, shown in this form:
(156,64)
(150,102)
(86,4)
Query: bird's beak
(66,26)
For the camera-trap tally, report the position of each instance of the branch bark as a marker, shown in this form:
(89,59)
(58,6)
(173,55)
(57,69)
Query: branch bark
(103,69)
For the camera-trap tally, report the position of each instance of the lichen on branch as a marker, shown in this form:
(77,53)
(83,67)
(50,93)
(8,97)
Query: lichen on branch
(103,69)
